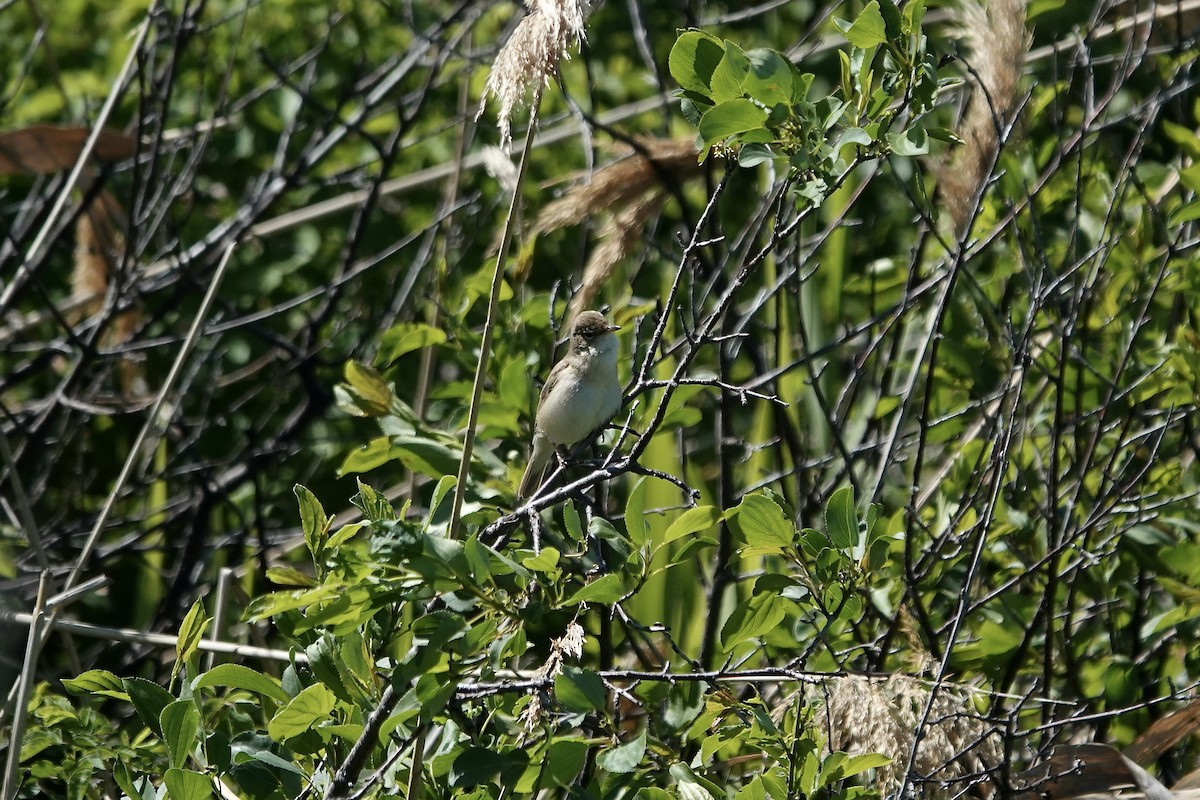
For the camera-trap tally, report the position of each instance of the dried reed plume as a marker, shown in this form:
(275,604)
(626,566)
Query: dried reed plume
(532,54)
(570,644)
(999,41)
(498,165)
(626,193)
(883,715)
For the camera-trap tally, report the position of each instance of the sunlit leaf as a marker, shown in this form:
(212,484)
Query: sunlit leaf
(729,118)
(624,758)
(694,520)
(311,707)
(869,29)
(405,338)
(237,676)
(693,59)
(97,681)
(184,784)
(180,723)
(605,589)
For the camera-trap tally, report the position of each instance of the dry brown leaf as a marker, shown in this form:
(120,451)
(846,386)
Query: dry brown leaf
(1088,771)
(1165,734)
(41,149)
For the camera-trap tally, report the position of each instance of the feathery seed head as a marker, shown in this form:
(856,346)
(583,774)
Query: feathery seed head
(532,53)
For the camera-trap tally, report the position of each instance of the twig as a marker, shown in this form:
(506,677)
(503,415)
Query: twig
(154,639)
(347,773)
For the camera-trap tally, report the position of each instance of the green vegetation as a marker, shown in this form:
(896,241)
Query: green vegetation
(903,495)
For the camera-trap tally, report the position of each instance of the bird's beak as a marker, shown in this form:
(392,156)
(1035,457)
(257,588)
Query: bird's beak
(612,328)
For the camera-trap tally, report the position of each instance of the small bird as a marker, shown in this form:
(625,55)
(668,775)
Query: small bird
(581,394)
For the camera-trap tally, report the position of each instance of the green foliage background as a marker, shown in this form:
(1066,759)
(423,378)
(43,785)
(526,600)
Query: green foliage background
(897,448)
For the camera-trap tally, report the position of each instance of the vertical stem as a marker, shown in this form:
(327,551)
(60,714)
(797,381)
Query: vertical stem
(224,577)
(485,347)
(33,646)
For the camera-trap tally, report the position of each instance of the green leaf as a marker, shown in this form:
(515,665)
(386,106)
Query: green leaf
(440,492)
(417,453)
(693,520)
(943,134)
(693,60)
(753,154)
(892,23)
(304,711)
(997,639)
(373,503)
(515,389)
(685,701)
(405,338)
(624,758)
(635,514)
(1190,177)
(290,576)
(149,699)
(97,681)
(850,136)
(841,520)
(1184,213)
(545,561)
(191,631)
(1183,136)
(237,676)
(564,761)
(183,784)
(367,457)
(762,524)
(752,618)
(572,522)
(180,723)
(839,766)
(914,12)
(477,765)
(692,786)
(580,690)
(372,397)
(124,780)
(313,520)
(730,118)
(771,79)
(868,30)
(605,589)
(343,535)
(425,456)
(262,774)
(653,793)
(754,790)
(730,74)
(479,560)
(912,142)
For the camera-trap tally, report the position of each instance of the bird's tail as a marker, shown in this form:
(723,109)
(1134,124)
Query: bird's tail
(536,470)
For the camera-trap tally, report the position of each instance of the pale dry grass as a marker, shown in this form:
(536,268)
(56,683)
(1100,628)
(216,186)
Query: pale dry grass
(884,715)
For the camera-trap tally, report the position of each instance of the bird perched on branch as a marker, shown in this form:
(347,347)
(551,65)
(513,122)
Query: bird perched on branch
(581,394)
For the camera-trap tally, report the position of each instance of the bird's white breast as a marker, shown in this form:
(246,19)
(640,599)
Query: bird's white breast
(584,397)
